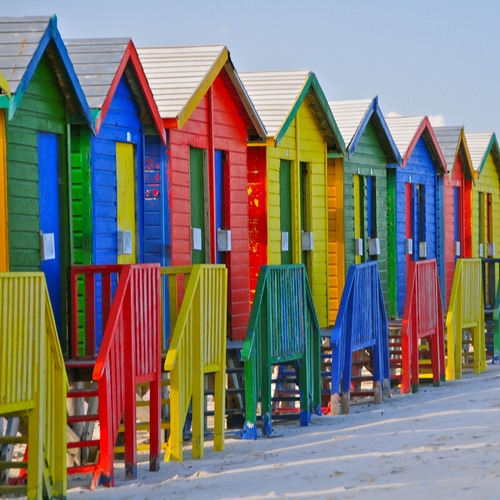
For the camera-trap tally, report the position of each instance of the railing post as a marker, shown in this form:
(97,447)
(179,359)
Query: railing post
(130,381)
(265,365)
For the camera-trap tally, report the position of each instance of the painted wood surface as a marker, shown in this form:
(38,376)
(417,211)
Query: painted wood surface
(304,143)
(486,209)
(336,240)
(125,202)
(457,203)
(363,212)
(4,236)
(215,124)
(420,176)
(157,232)
(42,109)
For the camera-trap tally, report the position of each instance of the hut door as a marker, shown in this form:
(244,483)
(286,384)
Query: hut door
(197,193)
(358,218)
(409,225)
(219,202)
(371,213)
(304,212)
(420,221)
(457,222)
(286,212)
(125,203)
(48,186)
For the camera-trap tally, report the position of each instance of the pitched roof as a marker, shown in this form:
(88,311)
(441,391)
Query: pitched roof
(453,143)
(180,76)
(352,118)
(100,64)
(406,132)
(278,95)
(480,145)
(23,42)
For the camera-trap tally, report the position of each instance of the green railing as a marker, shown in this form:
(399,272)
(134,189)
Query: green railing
(283,328)
(197,347)
(33,383)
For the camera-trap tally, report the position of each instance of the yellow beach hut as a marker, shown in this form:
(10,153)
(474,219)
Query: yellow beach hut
(288,177)
(485,209)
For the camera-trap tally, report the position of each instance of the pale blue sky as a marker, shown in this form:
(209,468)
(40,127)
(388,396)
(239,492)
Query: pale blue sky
(434,57)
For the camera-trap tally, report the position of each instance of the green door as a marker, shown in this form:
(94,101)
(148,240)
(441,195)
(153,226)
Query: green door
(197,193)
(286,212)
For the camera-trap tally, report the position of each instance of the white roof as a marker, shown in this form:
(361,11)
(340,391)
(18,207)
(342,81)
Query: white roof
(175,73)
(478,142)
(403,130)
(349,115)
(274,94)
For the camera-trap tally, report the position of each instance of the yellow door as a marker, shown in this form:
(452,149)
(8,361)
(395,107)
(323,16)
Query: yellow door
(4,241)
(125,186)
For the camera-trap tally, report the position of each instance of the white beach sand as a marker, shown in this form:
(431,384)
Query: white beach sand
(439,443)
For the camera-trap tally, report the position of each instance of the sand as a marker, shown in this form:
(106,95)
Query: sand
(439,443)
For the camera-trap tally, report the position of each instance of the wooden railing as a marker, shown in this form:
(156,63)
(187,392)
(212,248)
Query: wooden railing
(33,382)
(283,327)
(465,312)
(197,347)
(491,297)
(130,354)
(423,318)
(361,323)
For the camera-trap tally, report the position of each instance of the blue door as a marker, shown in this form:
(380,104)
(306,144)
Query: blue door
(48,187)
(219,201)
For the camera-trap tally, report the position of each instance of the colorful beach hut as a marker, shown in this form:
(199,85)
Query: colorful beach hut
(288,177)
(415,204)
(107,169)
(485,154)
(457,199)
(197,184)
(46,100)
(357,194)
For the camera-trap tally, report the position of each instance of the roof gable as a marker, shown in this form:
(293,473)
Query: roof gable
(407,131)
(100,64)
(481,144)
(181,76)
(453,143)
(24,41)
(353,117)
(278,95)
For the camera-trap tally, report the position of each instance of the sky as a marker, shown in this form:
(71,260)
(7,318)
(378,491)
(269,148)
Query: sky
(427,57)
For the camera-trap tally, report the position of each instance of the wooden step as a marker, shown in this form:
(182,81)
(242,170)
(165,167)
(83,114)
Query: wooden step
(82,393)
(13,465)
(74,419)
(13,490)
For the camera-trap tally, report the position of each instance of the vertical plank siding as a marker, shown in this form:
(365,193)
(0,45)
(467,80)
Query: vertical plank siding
(41,109)
(419,170)
(487,183)
(368,160)
(312,150)
(4,239)
(121,124)
(229,136)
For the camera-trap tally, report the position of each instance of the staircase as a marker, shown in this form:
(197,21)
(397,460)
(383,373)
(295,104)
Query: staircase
(125,300)
(491,297)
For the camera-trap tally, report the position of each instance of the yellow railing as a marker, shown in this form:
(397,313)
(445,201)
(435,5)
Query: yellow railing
(33,381)
(465,312)
(197,347)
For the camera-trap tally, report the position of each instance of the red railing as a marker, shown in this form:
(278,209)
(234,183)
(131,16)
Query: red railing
(423,318)
(130,354)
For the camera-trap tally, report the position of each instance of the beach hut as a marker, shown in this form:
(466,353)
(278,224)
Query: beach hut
(457,199)
(485,219)
(46,100)
(415,204)
(108,168)
(357,194)
(288,177)
(202,197)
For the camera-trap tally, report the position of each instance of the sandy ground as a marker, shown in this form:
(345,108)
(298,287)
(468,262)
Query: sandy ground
(439,443)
